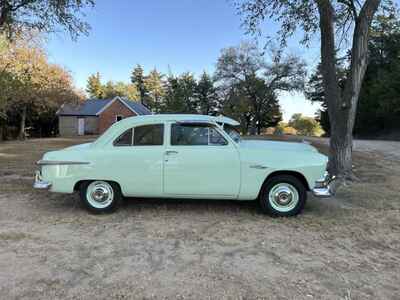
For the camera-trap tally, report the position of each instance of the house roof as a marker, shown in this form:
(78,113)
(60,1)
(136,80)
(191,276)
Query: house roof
(93,107)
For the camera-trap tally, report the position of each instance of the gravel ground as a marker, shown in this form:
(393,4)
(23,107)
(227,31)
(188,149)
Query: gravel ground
(388,149)
(347,247)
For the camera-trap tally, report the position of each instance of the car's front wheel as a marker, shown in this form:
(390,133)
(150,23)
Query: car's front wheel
(100,196)
(283,196)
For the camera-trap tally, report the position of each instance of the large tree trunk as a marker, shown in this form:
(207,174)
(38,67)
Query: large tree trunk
(22,135)
(342,107)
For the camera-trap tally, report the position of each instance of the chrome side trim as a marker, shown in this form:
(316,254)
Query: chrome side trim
(260,167)
(60,162)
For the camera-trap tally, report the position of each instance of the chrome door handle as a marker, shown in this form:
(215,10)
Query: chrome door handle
(169,152)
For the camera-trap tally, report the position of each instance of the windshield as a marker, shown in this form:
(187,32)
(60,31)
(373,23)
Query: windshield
(233,132)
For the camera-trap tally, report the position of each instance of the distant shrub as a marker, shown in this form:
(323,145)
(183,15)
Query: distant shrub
(289,130)
(280,128)
(306,125)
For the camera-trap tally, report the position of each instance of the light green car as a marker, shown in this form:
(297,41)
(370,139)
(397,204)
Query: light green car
(185,156)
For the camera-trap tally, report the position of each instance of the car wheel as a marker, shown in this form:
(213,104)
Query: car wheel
(283,196)
(100,196)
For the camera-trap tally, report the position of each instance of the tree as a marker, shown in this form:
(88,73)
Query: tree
(173,100)
(334,20)
(187,90)
(378,108)
(137,78)
(154,86)
(112,89)
(94,86)
(305,125)
(31,83)
(245,69)
(43,16)
(206,95)
(236,106)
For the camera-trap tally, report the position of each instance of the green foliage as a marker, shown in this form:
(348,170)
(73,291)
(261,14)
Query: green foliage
(206,92)
(244,87)
(283,128)
(30,86)
(138,78)
(252,83)
(154,86)
(379,107)
(173,102)
(305,125)
(111,89)
(94,87)
(43,16)
(379,104)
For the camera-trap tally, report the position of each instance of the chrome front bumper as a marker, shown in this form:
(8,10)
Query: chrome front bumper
(322,187)
(39,183)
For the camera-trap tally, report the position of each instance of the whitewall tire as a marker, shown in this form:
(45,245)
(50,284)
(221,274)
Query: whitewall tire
(100,196)
(283,196)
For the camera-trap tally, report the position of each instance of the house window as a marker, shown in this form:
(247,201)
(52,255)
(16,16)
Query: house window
(118,118)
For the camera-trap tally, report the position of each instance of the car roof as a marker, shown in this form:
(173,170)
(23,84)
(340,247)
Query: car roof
(179,118)
(152,119)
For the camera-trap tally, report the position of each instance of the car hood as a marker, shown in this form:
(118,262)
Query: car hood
(276,145)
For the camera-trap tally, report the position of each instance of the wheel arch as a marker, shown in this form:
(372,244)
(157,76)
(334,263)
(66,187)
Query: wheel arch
(295,174)
(78,184)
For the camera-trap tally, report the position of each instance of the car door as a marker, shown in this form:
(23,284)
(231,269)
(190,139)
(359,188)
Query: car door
(137,160)
(200,162)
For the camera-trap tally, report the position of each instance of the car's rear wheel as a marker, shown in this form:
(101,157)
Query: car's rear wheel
(283,196)
(100,196)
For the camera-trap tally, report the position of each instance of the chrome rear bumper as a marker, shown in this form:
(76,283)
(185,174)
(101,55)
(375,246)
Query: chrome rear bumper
(322,188)
(39,183)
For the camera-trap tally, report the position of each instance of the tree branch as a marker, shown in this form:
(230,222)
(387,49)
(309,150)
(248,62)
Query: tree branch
(359,54)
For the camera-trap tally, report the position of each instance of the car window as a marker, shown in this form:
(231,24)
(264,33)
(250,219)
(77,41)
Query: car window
(148,135)
(196,135)
(124,139)
(233,132)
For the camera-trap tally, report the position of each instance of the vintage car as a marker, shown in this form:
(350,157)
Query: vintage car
(185,156)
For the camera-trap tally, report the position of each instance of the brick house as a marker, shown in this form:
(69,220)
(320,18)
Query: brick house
(94,116)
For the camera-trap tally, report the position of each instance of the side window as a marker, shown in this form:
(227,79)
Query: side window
(124,139)
(196,135)
(148,135)
(216,138)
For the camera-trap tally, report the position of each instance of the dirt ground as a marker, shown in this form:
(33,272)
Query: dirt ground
(347,247)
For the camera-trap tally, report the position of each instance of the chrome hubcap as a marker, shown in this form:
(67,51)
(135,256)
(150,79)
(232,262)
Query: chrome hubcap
(100,194)
(283,197)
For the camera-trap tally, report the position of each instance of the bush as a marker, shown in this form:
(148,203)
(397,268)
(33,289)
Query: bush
(280,128)
(306,125)
(289,130)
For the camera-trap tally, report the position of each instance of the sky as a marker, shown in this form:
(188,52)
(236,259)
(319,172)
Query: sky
(175,35)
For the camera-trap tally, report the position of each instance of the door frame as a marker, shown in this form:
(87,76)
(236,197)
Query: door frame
(168,147)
